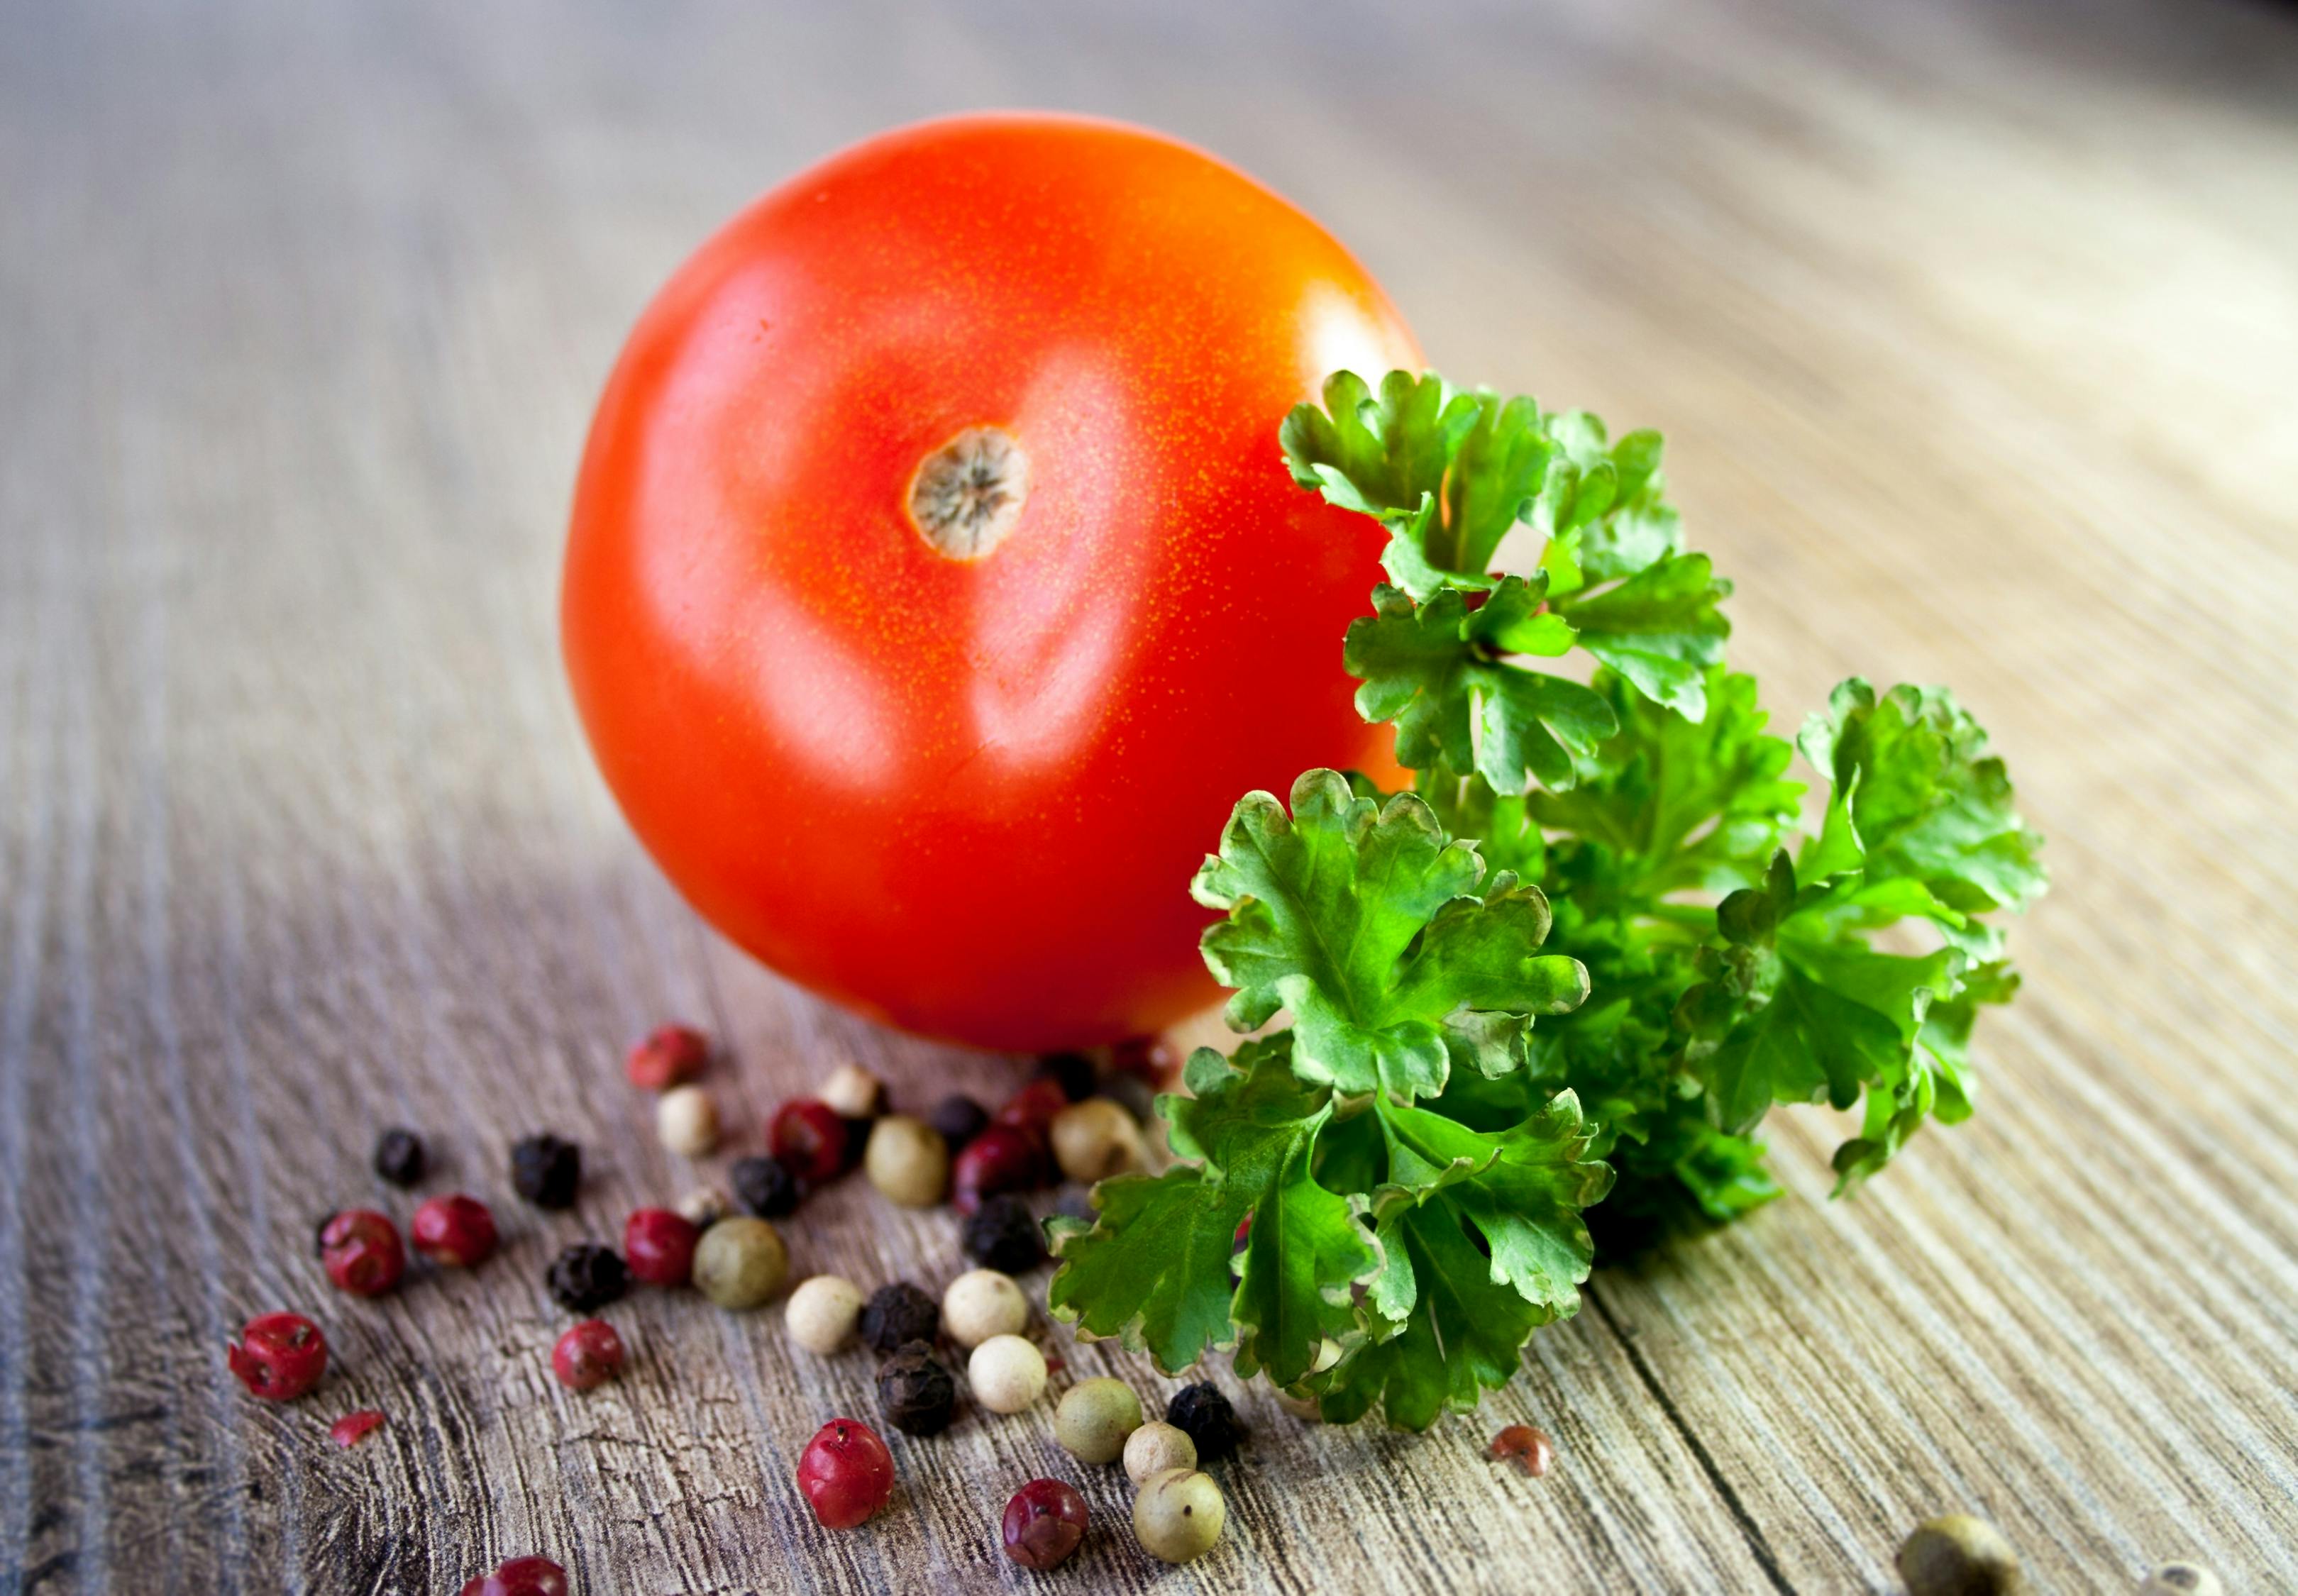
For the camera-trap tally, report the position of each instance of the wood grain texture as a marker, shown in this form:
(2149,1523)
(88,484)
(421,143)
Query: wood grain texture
(1973,330)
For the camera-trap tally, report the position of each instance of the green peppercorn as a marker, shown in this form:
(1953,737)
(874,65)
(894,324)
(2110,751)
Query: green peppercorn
(1094,1419)
(739,1263)
(1959,1556)
(1178,1514)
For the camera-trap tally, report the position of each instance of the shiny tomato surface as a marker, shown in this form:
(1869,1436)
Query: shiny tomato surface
(962,791)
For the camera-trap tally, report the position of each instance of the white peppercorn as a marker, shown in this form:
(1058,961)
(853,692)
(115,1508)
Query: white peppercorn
(686,1120)
(1007,1374)
(1095,1139)
(981,1304)
(1154,1448)
(704,1206)
(1094,1419)
(908,1161)
(1178,1514)
(853,1093)
(823,1311)
(1960,1555)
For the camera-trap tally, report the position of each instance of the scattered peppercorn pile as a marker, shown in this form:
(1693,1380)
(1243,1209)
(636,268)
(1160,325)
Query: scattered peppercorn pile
(983,1164)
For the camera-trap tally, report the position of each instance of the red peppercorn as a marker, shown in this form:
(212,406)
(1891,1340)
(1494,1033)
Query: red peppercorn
(1530,1448)
(1004,1158)
(1036,1106)
(279,1356)
(1044,1522)
(521,1577)
(1151,1059)
(847,1473)
(658,1245)
(587,1356)
(665,1056)
(457,1231)
(353,1429)
(809,1138)
(361,1251)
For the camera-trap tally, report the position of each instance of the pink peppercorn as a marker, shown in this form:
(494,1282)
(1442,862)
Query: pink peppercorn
(278,1356)
(457,1231)
(353,1429)
(658,1245)
(1004,1158)
(587,1356)
(665,1056)
(845,1473)
(361,1252)
(1530,1448)
(809,1138)
(1035,1106)
(521,1577)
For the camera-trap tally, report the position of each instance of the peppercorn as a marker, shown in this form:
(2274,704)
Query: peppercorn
(353,1429)
(1073,1072)
(587,1276)
(765,1185)
(740,1262)
(1530,1448)
(1156,1447)
(907,1160)
(981,1304)
(521,1577)
(665,1056)
(823,1312)
(686,1121)
(1034,1106)
(659,1246)
(1150,1058)
(1043,1523)
(1202,1410)
(1000,1235)
(845,1473)
(897,1313)
(810,1137)
(455,1231)
(1959,1555)
(918,1394)
(587,1356)
(1007,1374)
(959,1118)
(1095,1139)
(703,1207)
(362,1252)
(545,1170)
(1178,1514)
(1094,1419)
(278,1356)
(853,1093)
(1004,1158)
(399,1156)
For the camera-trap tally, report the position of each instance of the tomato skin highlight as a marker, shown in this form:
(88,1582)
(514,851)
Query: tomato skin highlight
(966,797)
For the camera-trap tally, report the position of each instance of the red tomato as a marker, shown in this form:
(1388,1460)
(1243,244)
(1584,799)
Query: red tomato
(962,787)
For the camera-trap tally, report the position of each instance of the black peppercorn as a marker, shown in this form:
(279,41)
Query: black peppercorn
(916,1392)
(1205,1415)
(765,1186)
(1000,1235)
(586,1276)
(959,1118)
(545,1170)
(399,1156)
(1075,1071)
(897,1313)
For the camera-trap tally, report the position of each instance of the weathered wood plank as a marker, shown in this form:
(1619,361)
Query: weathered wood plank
(1971,328)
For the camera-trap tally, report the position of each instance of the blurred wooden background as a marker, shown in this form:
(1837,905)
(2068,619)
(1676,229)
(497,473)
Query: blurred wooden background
(1974,330)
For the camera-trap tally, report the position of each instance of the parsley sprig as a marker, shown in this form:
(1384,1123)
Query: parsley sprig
(1587,954)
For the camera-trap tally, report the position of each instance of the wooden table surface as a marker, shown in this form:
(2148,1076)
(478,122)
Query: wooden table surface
(1975,333)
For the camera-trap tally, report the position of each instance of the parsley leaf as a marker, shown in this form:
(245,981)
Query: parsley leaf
(1364,920)
(1153,1268)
